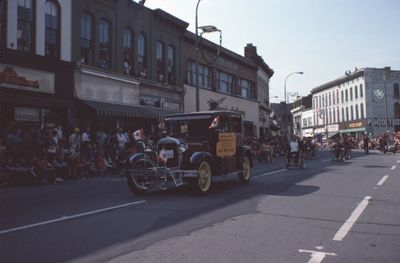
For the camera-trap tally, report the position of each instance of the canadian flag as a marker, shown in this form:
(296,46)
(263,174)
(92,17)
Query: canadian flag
(138,135)
(163,156)
(214,123)
(161,125)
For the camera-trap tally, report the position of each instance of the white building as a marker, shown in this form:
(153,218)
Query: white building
(363,101)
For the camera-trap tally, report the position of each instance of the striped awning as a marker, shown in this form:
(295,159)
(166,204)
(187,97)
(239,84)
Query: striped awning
(123,110)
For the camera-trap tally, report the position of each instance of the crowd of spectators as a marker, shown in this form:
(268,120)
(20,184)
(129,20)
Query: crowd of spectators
(32,155)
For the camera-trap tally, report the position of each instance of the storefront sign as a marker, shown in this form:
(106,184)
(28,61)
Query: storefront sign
(352,125)
(382,122)
(9,76)
(333,128)
(172,105)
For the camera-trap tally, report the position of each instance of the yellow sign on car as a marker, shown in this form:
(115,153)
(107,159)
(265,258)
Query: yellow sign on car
(226,145)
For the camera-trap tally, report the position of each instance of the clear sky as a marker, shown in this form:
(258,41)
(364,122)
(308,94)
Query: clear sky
(323,38)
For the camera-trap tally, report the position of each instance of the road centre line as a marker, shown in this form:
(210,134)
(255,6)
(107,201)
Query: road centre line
(273,172)
(382,180)
(344,230)
(64,218)
(393,167)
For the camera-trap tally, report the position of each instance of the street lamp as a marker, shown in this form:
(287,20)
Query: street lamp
(205,29)
(298,72)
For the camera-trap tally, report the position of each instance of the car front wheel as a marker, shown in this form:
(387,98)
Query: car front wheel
(203,183)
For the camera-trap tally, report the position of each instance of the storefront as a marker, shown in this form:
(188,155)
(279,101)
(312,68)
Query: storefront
(30,98)
(355,129)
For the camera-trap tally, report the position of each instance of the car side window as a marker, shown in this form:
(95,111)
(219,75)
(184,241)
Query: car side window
(236,124)
(224,124)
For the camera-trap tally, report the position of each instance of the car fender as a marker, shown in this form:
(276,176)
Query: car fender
(198,157)
(246,151)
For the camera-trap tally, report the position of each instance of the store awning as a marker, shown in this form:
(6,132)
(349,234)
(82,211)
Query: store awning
(121,110)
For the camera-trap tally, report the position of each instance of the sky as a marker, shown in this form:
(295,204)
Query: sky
(322,38)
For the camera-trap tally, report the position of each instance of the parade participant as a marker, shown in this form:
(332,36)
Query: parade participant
(293,148)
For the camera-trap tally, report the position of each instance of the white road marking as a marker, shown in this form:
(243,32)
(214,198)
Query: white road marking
(344,230)
(63,218)
(316,256)
(382,181)
(273,172)
(393,167)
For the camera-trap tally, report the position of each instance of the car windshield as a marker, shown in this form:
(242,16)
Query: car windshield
(188,127)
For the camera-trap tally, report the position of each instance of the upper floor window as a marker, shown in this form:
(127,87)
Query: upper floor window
(141,48)
(356,92)
(334,115)
(337,96)
(338,114)
(351,94)
(343,118)
(347,114)
(25,25)
(171,67)
(330,99)
(396,110)
(352,112)
(342,95)
(333,98)
(160,61)
(361,91)
(104,44)
(86,39)
(204,73)
(225,82)
(347,95)
(128,51)
(396,94)
(52,34)
(246,89)
(362,110)
(357,115)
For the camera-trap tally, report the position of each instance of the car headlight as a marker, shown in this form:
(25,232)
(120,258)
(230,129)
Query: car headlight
(182,147)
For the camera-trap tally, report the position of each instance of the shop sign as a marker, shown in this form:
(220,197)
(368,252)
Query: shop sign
(382,122)
(352,125)
(147,100)
(319,130)
(9,76)
(172,105)
(27,114)
(333,128)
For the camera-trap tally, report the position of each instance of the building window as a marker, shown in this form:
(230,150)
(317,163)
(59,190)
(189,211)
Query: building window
(362,110)
(330,116)
(128,51)
(347,114)
(338,114)
(104,44)
(171,67)
(342,94)
(357,116)
(347,95)
(225,82)
(396,94)
(86,39)
(330,99)
(361,91)
(352,112)
(25,25)
(396,110)
(205,77)
(356,92)
(337,96)
(333,98)
(160,61)
(141,48)
(334,115)
(351,94)
(52,33)
(343,118)
(246,89)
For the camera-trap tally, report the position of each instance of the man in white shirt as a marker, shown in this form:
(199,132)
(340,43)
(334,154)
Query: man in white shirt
(293,148)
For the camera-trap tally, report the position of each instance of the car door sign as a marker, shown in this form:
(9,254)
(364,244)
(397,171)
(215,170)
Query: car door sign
(226,145)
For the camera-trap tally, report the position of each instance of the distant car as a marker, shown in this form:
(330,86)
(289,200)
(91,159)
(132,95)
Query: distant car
(199,146)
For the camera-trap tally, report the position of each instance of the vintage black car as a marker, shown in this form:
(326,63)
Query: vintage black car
(197,147)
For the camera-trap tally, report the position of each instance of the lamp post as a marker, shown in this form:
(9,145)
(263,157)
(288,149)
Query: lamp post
(205,29)
(385,77)
(285,104)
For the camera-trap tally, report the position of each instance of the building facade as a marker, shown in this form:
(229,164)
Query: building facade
(365,101)
(36,73)
(129,60)
(264,74)
(229,83)
(300,105)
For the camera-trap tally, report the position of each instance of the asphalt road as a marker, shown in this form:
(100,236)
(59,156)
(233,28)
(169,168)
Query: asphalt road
(328,212)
